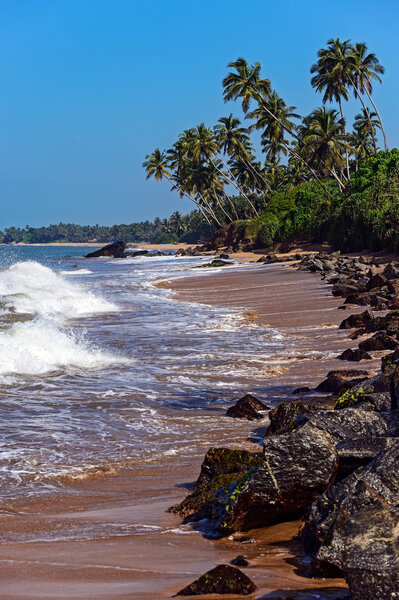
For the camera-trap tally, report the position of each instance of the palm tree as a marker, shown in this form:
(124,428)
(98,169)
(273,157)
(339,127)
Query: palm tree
(323,139)
(234,141)
(364,119)
(367,67)
(178,224)
(156,166)
(273,140)
(247,84)
(332,77)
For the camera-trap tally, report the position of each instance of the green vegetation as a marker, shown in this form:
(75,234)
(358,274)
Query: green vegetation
(189,228)
(334,185)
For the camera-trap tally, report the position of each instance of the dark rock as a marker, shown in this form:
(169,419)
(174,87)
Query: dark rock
(301,390)
(359,320)
(376,281)
(223,579)
(370,559)
(365,391)
(391,271)
(375,486)
(337,384)
(223,255)
(355,355)
(139,253)
(295,470)
(247,407)
(214,264)
(389,362)
(283,418)
(378,302)
(345,290)
(239,561)
(379,341)
(115,250)
(359,298)
(220,468)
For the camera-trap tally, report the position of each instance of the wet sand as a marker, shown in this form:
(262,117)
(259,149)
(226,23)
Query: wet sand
(110,537)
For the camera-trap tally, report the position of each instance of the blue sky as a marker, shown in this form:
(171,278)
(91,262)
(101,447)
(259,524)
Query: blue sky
(91,86)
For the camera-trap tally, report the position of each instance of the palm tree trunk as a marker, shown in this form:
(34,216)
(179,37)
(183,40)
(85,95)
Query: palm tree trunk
(233,182)
(203,209)
(290,150)
(233,208)
(347,154)
(299,157)
(379,118)
(357,91)
(334,174)
(257,174)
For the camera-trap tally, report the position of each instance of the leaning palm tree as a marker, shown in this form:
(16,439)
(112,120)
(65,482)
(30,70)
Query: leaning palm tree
(364,120)
(247,84)
(274,130)
(332,76)
(367,67)
(234,141)
(156,166)
(324,142)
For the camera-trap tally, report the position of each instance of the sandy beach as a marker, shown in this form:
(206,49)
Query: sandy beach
(156,565)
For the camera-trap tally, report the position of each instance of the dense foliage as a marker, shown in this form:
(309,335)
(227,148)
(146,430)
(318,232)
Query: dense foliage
(209,164)
(191,228)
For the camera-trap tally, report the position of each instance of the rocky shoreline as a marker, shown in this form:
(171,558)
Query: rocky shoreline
(331,459)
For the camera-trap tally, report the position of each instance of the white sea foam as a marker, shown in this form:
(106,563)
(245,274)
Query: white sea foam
(46,344)
(38,347)
(30,287)
(77,272)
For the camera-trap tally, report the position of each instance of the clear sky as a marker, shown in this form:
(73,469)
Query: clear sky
(89,87)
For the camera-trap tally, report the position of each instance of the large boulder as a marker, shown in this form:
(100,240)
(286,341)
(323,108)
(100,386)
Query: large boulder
(283,418)
(115,250)
(355,355)
(223,579)
(325,534)
(247,407)
(296,468)
(370,559)
(220,468)
(359,320)
(379,341)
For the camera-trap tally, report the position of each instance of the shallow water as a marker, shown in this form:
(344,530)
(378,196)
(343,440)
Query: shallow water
(99,368)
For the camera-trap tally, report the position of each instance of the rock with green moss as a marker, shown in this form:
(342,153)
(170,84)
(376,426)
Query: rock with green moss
(220,468)
(358,320)
(296,468)
(379,341)
(214,264)
(328,531)
(223,579)
(369,392)
(283,418)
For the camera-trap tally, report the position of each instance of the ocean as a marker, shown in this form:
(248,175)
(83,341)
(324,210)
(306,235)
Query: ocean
(100,369)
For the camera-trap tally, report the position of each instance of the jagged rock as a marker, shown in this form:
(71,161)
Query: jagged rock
(355,355)
(379,341)
(220,468)
(391,271)
(283,418)
(337,383)
(296,468)
(370,559)
(375,486)
(223,579)
(214,264)
(376,281)
(115,250)
(395,387)
(364,392)
(389,362)
(247,407)
(359,298)
(301,390)
(359,320)
(239,561)
(345,290)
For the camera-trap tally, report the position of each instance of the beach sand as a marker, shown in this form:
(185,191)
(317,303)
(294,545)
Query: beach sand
(99,539)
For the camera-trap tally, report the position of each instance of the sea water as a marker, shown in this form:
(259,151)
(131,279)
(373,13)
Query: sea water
(99,367)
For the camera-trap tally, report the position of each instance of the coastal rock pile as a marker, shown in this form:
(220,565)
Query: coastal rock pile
(115,250)
(336,464)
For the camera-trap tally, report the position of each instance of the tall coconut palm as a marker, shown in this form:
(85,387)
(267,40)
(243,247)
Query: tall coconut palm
(247,84)
(364,119)
(156,166)
(235,142)
(273,131)
(332,76)
(324,141)
(367,67)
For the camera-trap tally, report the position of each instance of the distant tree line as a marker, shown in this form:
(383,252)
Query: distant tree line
(191,228)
